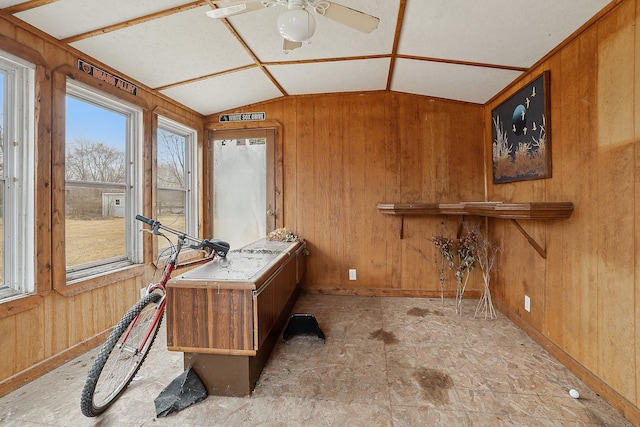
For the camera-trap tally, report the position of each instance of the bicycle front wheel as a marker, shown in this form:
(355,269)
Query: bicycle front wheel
(121,356)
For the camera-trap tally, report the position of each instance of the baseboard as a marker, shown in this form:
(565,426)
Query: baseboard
(621,404)
(369,292)
(36,371)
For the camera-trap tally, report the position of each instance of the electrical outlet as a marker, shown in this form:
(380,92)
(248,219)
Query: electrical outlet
(352,274)
(527,303)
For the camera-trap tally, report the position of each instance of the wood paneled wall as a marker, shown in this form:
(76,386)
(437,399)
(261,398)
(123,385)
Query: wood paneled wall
(585,297)
(344,154)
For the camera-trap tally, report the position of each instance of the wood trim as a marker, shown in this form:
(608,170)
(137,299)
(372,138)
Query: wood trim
(227,352)
(18,305)
(43,175)
(162,111)
(265,124)
(58,136)
(279,177)
(396,42)
(150,180)
(278,181)
(25,6)
(58,226)
(467,63)
(134,21)
(205,77)
(377,292)
(98,281)
(253,56)
(75,74)
(630,411)
(22,51)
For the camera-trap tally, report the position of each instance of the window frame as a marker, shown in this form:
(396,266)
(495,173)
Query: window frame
(132,186)
(190,172)
(18,179)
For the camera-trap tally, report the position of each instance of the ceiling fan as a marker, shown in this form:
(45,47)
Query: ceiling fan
(297,24)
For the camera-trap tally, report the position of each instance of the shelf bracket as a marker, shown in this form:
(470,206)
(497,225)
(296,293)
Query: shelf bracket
(531,240)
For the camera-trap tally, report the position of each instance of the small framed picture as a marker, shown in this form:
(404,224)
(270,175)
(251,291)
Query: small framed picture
(521,134)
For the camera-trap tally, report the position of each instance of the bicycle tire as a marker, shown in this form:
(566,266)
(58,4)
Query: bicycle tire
(103,387)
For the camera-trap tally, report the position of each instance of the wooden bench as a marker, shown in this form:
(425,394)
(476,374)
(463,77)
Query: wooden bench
(227,315)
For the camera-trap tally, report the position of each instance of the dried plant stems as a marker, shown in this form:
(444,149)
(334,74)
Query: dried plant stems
(442,279)
(445,247)
(462,284)
(486,254)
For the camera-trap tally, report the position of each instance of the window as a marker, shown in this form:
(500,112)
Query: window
(102,182)
(244,175)
(176,177)
(17,118)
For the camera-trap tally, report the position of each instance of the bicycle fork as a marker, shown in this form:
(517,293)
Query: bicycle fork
(156,318)
(160,306)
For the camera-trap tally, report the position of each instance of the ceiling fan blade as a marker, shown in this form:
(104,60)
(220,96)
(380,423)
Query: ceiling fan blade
(288,45)
(352,18)
(236,9)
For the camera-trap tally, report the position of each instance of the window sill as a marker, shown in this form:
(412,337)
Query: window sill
(99,280)
(25,302)
(186,256)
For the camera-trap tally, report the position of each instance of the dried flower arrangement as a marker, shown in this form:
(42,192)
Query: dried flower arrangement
(463,254)
(283,235)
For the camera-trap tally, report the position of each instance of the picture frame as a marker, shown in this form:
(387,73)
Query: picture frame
(521,134)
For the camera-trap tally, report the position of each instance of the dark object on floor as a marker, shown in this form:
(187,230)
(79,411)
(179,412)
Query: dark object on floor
(181,393)
(302,324)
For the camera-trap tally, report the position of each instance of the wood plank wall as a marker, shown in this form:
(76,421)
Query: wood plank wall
(585,299)
(59,322)
(344,154)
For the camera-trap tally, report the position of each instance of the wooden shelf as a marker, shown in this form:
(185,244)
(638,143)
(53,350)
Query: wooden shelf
(532,210)
(512,211)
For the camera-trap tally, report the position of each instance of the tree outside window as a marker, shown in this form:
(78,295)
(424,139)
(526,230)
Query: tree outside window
(175,175)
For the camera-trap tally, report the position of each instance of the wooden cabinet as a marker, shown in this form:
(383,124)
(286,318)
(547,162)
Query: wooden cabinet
(226,315)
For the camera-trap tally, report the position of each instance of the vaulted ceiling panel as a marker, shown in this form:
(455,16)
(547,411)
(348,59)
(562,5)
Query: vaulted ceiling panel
(225,92)
(172,49)
(501,32)
(58,18)
(337,76)
(450,81)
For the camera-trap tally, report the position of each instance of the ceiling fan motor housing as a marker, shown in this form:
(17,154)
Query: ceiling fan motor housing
(296,24)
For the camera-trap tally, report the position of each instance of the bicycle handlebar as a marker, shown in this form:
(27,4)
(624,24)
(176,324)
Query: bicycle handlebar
(146,220)
(217,246)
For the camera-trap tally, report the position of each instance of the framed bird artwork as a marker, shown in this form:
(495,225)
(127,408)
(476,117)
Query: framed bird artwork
(521,134)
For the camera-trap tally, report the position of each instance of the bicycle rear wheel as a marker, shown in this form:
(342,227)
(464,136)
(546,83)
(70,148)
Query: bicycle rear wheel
(121,356)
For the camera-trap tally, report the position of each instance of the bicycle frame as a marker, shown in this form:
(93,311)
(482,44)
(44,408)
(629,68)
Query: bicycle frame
(169,268)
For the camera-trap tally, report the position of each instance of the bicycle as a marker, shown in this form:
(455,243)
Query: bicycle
(126,348)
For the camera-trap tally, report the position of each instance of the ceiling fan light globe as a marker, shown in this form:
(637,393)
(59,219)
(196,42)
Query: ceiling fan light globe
(296,25)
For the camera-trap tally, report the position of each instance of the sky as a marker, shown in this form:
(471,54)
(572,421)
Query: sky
(95,124)
(87,121)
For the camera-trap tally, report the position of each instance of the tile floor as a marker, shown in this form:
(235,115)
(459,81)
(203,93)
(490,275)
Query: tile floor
(386,362)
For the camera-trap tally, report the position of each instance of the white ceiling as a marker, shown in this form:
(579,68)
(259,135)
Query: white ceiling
(466,50)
